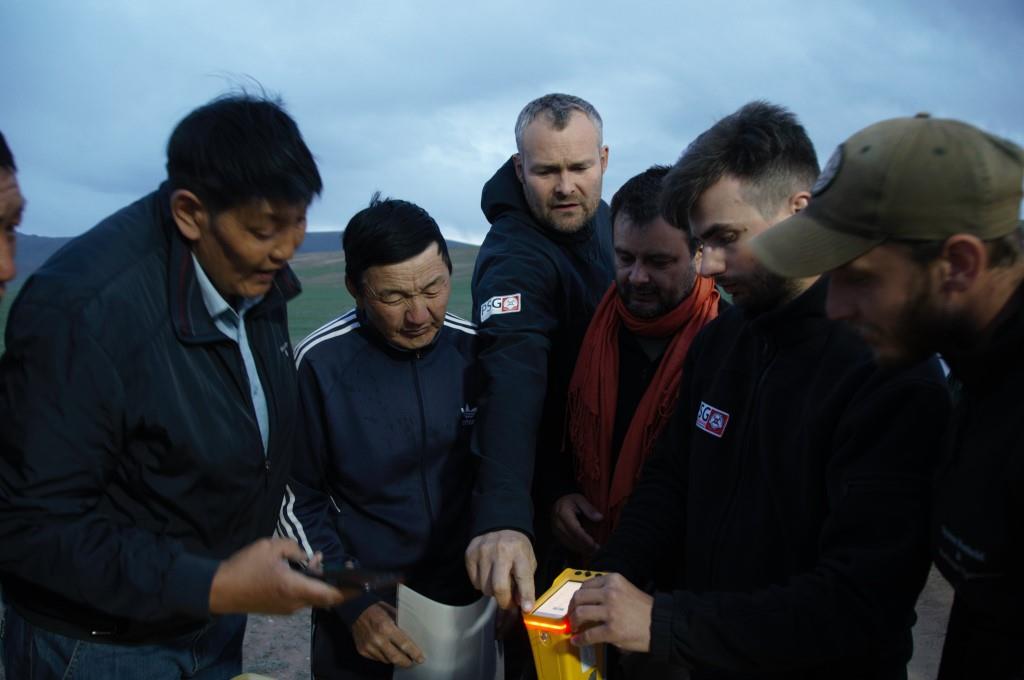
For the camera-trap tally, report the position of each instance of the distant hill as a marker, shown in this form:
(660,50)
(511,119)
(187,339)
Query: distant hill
(34,250)
(319,265)
(330,242)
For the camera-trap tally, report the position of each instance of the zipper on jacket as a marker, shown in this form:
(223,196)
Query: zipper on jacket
(423,437)
(236,366)
(264,369)
(768,359)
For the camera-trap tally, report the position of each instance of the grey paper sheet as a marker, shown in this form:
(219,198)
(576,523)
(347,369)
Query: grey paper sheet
(458,642)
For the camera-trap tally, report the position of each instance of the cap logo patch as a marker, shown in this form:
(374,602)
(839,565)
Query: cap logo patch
(712,420)
(829,172)
(500,304)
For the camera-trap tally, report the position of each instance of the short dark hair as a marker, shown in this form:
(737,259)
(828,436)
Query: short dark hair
(640,200)
(638,197)
(558,109)
(386,232)
(6,157)
(239,148)
(762,144)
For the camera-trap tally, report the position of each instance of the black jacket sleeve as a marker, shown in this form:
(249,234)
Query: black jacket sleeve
(515,348)
(873,554)
(307,511)
(61,435)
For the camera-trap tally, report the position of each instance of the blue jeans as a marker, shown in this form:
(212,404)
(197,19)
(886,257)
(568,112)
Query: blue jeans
(212,653)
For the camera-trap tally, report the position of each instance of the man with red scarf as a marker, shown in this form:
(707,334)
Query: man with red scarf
(630,364)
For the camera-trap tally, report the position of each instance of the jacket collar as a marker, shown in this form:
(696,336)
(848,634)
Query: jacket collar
(189,316)
(794,319)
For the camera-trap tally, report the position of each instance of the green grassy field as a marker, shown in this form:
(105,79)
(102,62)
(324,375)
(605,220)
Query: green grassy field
(5,304)
(323,290)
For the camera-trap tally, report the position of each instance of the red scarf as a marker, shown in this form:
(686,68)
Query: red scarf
(594,389)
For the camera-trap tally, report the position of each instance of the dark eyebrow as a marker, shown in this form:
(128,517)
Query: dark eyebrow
(716,229)
(280,220)
(437,280)
(538,167)
(394,291)
(853,269)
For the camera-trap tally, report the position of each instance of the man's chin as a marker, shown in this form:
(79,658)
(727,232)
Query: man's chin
(644,311)
(889,356)
(414,341)
(566,226)
(255,290)
(568,223)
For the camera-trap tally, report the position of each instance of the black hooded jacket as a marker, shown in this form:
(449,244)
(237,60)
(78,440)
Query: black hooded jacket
(978,527)
(534,293)
(793,480)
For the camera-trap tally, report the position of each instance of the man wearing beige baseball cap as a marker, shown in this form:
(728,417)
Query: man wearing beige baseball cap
(917,221)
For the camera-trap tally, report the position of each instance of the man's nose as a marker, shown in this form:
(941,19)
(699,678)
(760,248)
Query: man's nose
(638,274)
(287,243)
(564,186)
(712,262)
(837,304)
(417,313)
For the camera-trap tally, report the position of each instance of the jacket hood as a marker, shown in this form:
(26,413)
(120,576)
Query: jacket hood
(503,193)
(503,197)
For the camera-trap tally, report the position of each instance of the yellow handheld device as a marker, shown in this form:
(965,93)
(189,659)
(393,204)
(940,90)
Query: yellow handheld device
(548,625)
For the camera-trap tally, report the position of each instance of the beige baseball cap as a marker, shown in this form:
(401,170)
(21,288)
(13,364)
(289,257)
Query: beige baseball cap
(908,179)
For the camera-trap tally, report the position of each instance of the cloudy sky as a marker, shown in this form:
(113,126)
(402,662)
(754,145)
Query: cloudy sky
(418,99)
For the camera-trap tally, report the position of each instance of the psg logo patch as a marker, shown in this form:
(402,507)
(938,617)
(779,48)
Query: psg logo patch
(712,420)
(501,304)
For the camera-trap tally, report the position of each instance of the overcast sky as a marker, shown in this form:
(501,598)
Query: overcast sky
(418,99)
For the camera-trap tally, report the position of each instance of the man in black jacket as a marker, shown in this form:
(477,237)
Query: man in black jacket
(383,473)
(626,381)
(540,273)
(794,473)
(147,412)
(918,223)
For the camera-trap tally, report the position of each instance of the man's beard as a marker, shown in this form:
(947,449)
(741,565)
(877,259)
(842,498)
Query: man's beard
(921,330)
(569,226)
(657,303)
(760,291)
(547,217)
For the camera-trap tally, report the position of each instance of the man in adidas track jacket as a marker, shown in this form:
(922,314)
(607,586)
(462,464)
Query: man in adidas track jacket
(383,475)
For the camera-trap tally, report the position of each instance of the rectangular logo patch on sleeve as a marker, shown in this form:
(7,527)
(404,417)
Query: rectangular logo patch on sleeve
(500,304)
(712,420)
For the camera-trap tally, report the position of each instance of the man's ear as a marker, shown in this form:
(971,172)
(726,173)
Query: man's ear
(517,162)
(604,158)
(965,258)
(189,213)
(354,292)
(799,201)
